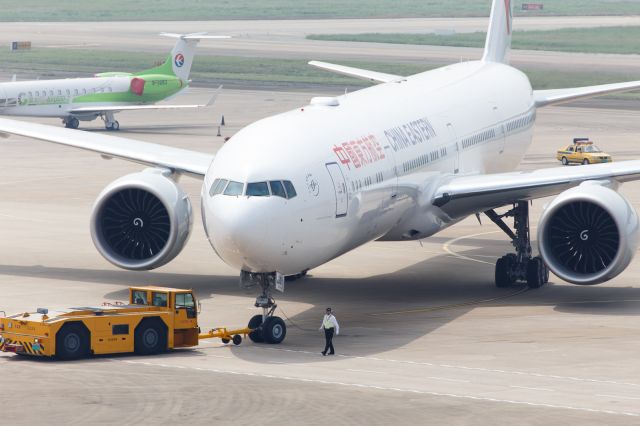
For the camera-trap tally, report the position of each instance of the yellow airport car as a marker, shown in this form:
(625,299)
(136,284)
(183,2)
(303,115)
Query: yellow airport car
(582,151)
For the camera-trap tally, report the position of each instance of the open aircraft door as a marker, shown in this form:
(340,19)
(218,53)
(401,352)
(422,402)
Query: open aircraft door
(340,189)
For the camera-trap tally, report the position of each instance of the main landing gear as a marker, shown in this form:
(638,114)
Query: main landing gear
(71,122)
(518,266)
(110,123)
(267,327)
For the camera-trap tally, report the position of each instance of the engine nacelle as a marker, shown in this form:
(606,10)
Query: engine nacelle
(588,234)
(141,221)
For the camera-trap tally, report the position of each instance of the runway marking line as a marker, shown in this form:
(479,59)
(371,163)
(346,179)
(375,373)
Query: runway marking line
(446,379)
(384,388)
(447,247)
(531,388)
(620,397)
(460,367)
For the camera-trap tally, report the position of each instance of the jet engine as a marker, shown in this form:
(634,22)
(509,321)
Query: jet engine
(588,234)
(142,220)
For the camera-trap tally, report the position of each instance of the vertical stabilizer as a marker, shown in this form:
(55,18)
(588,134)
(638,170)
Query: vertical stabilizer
(498,41)
(181,58)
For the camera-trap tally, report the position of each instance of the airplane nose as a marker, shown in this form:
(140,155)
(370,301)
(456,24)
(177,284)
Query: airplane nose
(237,228)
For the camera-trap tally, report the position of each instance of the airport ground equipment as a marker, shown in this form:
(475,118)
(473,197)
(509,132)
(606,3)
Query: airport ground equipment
(153,320)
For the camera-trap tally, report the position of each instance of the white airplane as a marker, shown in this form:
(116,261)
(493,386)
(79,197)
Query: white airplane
(398,161)
(85,99)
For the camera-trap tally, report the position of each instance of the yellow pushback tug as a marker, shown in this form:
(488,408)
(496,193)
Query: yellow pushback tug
(154,320)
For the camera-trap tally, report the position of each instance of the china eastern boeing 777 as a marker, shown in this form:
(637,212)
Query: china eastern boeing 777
(85,99)
(401,160)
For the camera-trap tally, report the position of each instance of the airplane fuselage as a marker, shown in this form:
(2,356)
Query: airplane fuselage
(59,98)
(362,165)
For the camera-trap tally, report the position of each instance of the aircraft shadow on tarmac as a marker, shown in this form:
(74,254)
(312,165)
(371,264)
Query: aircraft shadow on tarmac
(416,300)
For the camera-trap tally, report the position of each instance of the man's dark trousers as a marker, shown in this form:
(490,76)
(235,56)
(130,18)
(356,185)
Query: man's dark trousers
(328,335)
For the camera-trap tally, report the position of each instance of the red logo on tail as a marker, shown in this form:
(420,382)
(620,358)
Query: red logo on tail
(507,5)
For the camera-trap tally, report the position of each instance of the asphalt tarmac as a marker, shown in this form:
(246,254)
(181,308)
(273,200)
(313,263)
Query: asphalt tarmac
(426,337)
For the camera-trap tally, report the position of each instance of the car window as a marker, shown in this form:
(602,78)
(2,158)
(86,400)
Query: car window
(257,189)
(234,188)
(277,189)
(139,297)
(185,300)
(571,148)
(159,299)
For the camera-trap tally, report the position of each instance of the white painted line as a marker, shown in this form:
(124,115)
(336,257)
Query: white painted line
(446,379)
(355,370)
(414,391)
(447,247)
(535,389)
(461,367)
(620,397)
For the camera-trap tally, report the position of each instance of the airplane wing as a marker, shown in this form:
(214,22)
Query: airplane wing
(465,195)
(374,76)
(179,160)
(558,96)
(118,108)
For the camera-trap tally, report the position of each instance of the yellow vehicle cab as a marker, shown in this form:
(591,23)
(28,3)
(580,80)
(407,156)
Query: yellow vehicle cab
(153,320)
(582,151)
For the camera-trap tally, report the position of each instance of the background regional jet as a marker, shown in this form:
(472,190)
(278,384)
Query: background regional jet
(401,160)
(85,99)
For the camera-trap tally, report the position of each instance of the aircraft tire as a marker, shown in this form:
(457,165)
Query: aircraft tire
(535,273)
(502,276)
(274,330)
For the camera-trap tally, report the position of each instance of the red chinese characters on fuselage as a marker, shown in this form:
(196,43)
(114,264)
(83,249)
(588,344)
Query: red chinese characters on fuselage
(360,152)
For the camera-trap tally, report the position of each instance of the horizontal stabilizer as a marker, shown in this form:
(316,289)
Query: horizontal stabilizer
(374,76)
(559,96)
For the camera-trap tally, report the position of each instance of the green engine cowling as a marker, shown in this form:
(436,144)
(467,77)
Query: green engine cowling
(156,87)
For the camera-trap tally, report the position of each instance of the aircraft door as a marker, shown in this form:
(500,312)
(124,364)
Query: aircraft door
(500,133)
(3,98)
(453,147)
(340,189)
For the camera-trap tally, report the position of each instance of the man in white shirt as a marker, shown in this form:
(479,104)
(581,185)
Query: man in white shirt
(329,325)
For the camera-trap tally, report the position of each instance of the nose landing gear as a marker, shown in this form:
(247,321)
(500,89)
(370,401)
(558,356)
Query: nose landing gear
(521,265)
(267,328)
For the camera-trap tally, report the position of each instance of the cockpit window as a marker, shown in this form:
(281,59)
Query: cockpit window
(257,189)
(217,187)
(291,191)
(234,188)
(277,189)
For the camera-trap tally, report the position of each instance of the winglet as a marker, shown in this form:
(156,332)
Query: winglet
(498,41)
